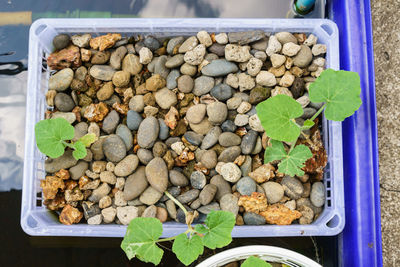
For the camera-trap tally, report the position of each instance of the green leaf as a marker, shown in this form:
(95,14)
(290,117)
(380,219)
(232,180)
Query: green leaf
(50,135)
(88,139)
(340,90)
(219,226)
(291,163)
(79,150)
(308,124)
(277,116)
(187,249)
(140,240)
(255,262)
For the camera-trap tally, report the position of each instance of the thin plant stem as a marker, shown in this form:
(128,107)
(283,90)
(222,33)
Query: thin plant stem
(68,145)
(176,202)
(318,112)
(292,145)
(173,237)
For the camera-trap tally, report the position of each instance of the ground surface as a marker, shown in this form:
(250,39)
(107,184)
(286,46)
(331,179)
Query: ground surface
(387,60)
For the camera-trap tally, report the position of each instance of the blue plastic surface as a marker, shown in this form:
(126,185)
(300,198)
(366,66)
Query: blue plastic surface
(360,243)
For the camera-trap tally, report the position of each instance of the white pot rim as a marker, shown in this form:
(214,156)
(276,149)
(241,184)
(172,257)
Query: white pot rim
(268,253)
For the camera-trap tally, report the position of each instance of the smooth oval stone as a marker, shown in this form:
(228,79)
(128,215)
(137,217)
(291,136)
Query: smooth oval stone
(61,41)
(64,102)
(102,72)
(114,148)
(209,159)
(246,37)
(188,196)
(219,67)
(164,130)
(195,114)
(133,120)
(317,195)
(97,148)
(150,196)
(193,138)
(229,202)
(246,166)
(78,170)
(246,186)
(174,61)
(172,79)
(228,126)
(177,178)
(203,85)
(61,80)
(148,132)
(173,43)
(217,49)
(151,43)
(135,184)
(207,194)
(248,142)
(230,154)
(159,67)
(208,208)
(223,187)
(198,180)
(157,174)
(228,139)
(217,112)
(126,166)
(81,129)
(292,187)
(110,122)
(144,155)
(273,191)
(126,135)
(203,127)
(251,218)
(222,92)
(211,137)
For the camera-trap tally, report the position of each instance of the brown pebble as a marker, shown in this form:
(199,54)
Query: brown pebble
(162,214)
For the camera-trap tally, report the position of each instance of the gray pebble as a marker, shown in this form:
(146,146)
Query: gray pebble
(100,192)
(110,122)
(174,61)
(117,56)
(308,113)
(61,80)
(90,209)
(150,196)
(150,212)
(144,155)
(203,85)
(133,120)
(251,218)
(173,43)
(148,132)
(61,41)
(217,112)
(222,92)
(157,174)
(185,84)
(78,170)
(317,195)
(229,202)
(195,204)
(207,194)
(209,159)
(198,180)
(246,37)
(171,208)
(114,148)
(230,154)
(246,166)
(248,142)
(223,187)
(151,43)
(219,67)
(211,137)
(246,186)
(273,191)
(217,49)
(188,196)
(102,72)
(208,208)
(193,138)
(159,67)
(172,79)
(177,178)
(228,139)
(164,130)
(292,187)
(228,126)
(97,149)
(126,135)
(63,102)
(81,129)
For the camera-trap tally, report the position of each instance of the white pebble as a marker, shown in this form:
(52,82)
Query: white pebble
(119,199)
(277,60)
(196,55)
(145,55)
(311,40)
(234,102)
(287,79)
(254,66)
(274,46)
(243,107)
(290,49)
(95,220)
(221,38)
(109,214)
(246,82)
(318,49)
(255,123)
(178,147)
(241,120)
(204,38)
(127,214)
(120,183)
(303,101)
(231,172)
(237,53)
(266,78)
(281,91)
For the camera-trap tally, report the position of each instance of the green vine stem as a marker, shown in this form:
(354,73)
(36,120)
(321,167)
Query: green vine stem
(68,145)
(176,202)
(318,112)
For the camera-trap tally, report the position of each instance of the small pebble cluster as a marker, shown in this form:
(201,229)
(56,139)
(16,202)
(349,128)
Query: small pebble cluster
(178,114)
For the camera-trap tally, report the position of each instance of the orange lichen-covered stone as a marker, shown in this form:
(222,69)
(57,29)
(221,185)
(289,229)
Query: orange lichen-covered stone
(184,158)
(256,202)
(96,112)
(171,118)
(70,215)
(86,54)
(317,163)
(263,173)
(280,214)
(105,41)
(63,174)
(55,204)
(121,108)
(51,185)
(69,57)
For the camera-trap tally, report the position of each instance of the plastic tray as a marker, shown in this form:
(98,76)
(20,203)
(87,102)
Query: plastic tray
(37,220)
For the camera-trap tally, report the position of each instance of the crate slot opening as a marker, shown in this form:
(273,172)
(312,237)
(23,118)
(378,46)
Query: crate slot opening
(333,222)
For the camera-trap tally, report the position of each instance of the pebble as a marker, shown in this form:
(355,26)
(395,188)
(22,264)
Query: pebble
(241,120)
(209,159)
(193,138)
(63,102)
(159,67)
(188,196)
(223,187)
(266,78)
(172,79)
(230,154)
(105,202)
(244,107)
(217,112)
(308,113)
(99,166)
(100,192)
(110,122)
(246,37)
(126,166)
(196,55)
(246,167)
(273,191)
(211,137)
(251,218)
(290,49)
(307,215)
(135,184)
(61,41)
(108,177)
(133,120)
(311,40)
(119,199)
(195,114)
(208,208)
(173,43)
(292,187)
(303,57)
(81,40)
(195,204)
(157,174)
(126,135)
(248,142)
(203,85)
(317,195)
(281,91)
(162,214)
(274,46)
(131,63)
(121,79)
(171,208)
(219,67)
(207,194)
(246,82)
(188,44)
(150,212)
(148,132)
(228,139)
(216,50)
(286,37)
(231,172)
(78,170)
(303,101)
(102,72)
(90,209)
(117,56)
(222,92)
(100,57)
(61,80)
(203,127)
(246,186)
(198,180)
(177,178)
(234,102)
(229,202)
(97,148)
(258,147)
(159,149)
(164,130)
(165,98)
(185,84)
(64,162)
(150,196)
(114,148)
(228,126)
(221,38)
(144,155)
(126,214)
(188,69)
(204,38)
(151,42)
(108,214)
(174,61)
(318,49)
(145,55)
(254,66)
(237,53)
